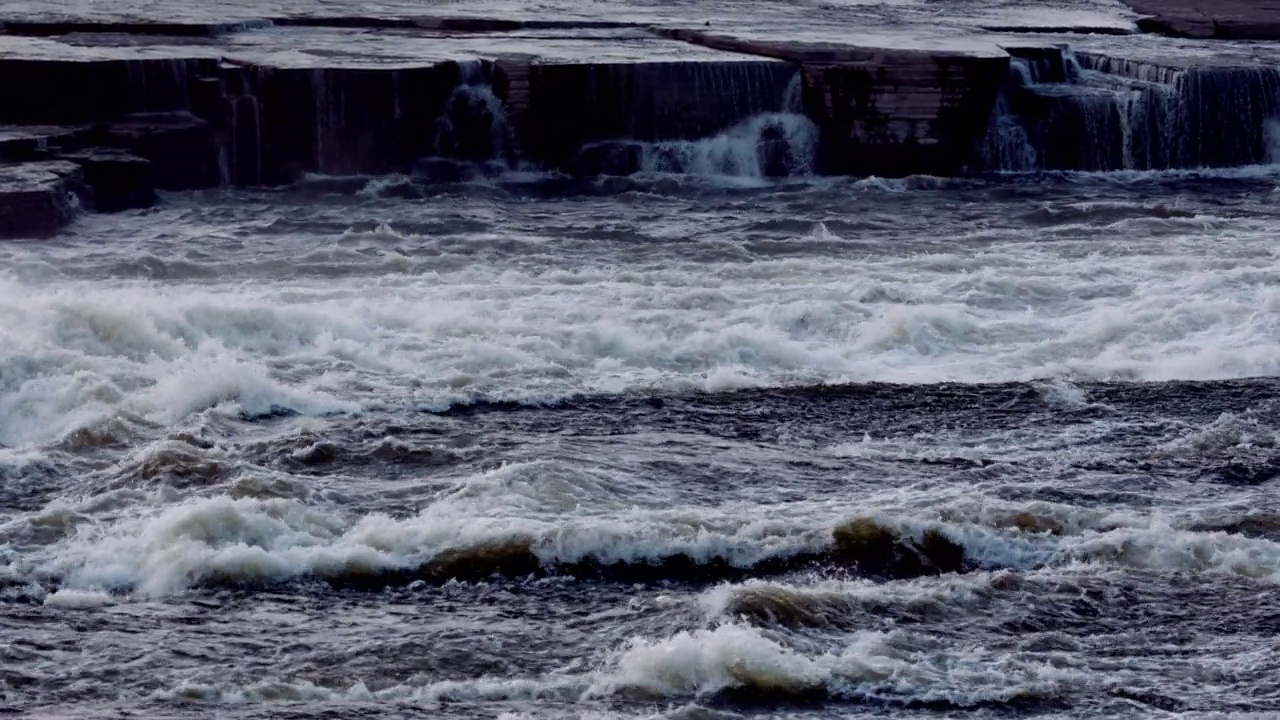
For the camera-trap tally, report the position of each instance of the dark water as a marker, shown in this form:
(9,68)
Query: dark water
(676,448)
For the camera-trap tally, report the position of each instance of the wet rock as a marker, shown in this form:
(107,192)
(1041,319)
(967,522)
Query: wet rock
(1221,19)
(24,143)
(876,550)
(289,122)
(436,169)
(561,106)
(93,89)
(774,152)
(887,112)
(607,158)
(35,28)
(116,179)
(37,199)
(181,147)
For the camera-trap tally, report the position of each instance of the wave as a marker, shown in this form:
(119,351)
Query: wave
(434,324)
(844,604)
(729,664)
(473,535)
(743,665)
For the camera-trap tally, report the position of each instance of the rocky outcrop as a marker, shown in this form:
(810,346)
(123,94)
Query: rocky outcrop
(167,105)
(115,180)
(883,111)
(1219,19)
(80,91)
(560,107)
(181,147)
(20,143)
(37,198)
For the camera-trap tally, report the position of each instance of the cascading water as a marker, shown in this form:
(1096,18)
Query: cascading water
(1094,112)
(773,144)
(473,126)
(1007,146)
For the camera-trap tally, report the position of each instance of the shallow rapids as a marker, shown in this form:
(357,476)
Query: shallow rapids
(664,447)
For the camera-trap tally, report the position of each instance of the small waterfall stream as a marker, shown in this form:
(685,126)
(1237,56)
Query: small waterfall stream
(1097,113)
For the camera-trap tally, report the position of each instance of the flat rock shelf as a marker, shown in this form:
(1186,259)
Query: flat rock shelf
(140,103)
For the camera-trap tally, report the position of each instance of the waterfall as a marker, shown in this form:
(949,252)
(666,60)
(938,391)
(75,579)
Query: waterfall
(769,145)
(779,141)
(1007,147)
(473,126)
(1094,112)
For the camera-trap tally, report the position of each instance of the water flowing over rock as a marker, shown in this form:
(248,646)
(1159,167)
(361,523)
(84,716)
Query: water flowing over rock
(244,102)
(1113,113)
(37,199)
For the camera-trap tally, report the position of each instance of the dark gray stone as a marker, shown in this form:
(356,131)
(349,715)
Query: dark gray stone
(19,143)
(1220,19)
(116,179)
(37,199)
(182,148)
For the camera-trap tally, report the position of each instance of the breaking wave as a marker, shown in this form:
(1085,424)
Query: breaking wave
(390,313)
(729,664)
(472,535)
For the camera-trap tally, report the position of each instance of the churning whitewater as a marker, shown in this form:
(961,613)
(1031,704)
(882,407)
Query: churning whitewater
(675,445)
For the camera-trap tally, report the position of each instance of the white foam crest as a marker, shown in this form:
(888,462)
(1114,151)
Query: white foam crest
(78,599)
(999,536)
(1228,432)
(1164,548)
(894,667)
(252,540)
(69,358)
(871,665)
(835,598)
(431,332)
(301,691)
(772,144)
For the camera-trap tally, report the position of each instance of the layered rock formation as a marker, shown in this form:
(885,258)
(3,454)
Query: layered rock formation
(1221,19)
(175,105)
(37,198)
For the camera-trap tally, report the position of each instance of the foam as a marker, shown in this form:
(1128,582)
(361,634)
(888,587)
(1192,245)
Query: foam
(703,663)
(284,691)
(398,318)
(500,520)
(869,665)
(742,151)
(829,603)
(78,599)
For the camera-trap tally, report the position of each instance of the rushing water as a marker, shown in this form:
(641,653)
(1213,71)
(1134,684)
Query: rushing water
(649,447)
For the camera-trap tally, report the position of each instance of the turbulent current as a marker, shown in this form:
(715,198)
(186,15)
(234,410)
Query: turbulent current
(655,447)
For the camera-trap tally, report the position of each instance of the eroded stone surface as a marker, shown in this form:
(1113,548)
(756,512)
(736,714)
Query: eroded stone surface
(181,147)
(116,179)
(1222,19)
(20,143)
(36,198)
(232,94)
